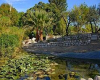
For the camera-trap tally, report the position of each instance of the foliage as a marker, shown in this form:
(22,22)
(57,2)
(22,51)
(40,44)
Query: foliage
(52,13)
(5,21)
(11,14)
(37,17)
(15,31)
(40,19)
(16,68)
(61,28)
(10,39)
(87,28)
(8,43)
(93,17)
(61,4)
(20,21)
(79,16)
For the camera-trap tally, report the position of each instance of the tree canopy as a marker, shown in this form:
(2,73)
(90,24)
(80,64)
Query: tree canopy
(53,18)
(61,4)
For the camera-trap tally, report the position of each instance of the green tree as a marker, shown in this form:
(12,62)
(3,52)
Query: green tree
(60,12)
(61,4)
(53,11)
(69,18)
(40,19)
(93,17)
(80,16)
(5,21)
(12,14)
(98,10)
(61,27)
(20,22)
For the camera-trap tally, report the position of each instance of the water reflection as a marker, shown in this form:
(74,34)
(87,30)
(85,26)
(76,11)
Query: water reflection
(72,69)
(82,68)
(46,78)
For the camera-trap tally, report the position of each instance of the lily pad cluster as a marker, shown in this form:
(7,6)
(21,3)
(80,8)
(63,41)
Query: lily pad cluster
(16,68)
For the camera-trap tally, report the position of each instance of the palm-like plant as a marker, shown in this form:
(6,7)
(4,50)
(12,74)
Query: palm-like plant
(41,20)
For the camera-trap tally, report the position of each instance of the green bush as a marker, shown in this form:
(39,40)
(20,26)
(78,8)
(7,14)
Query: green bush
(7,43)
(5,21)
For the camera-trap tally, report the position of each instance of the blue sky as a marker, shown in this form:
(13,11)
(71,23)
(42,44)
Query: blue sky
(71,3)
(23,5)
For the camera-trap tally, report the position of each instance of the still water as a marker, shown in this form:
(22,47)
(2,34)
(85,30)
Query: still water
(71,69)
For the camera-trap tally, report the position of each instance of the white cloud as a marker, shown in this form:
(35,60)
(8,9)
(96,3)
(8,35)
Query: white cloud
(21,9)
(13,1)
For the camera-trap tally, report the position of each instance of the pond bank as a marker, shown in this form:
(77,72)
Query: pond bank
(90,51)
(93,46)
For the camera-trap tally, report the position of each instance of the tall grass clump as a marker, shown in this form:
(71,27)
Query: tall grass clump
(10,40)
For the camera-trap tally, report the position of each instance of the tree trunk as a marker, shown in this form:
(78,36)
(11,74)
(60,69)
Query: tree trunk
(77,28)
(91,27)
(96,31)
(54,29)
(67,33)
(41,35)
(67,25)
(37,35)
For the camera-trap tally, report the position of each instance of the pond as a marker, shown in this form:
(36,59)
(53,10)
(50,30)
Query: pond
(70,69)
(82,68)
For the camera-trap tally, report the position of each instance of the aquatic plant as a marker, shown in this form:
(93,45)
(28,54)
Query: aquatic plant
(15,68)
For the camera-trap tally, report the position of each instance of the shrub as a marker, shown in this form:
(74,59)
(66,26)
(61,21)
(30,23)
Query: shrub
(8,43)
(5,21)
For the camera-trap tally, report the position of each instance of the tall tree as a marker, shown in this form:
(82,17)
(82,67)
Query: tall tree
(40,19)
(53,12)
(61,4)
(5,21)
(61,27)
(61,11)
(20,22)
(98,10)
(69,17)
(80,15)
(93,17)
(12,14)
